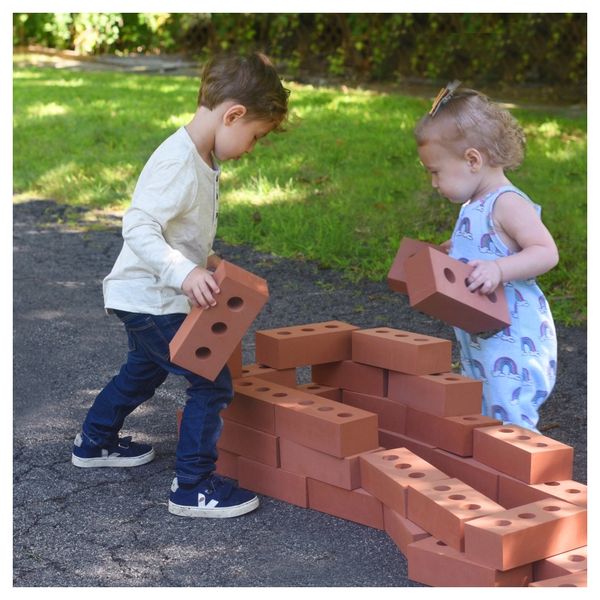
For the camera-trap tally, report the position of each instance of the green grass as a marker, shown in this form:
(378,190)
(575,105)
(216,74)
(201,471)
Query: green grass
(342,186)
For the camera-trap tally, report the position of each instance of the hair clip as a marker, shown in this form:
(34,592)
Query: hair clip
(443,96)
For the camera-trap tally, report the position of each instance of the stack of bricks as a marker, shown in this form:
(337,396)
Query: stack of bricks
(387,436)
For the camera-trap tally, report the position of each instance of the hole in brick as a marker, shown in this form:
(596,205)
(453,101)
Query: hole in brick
(492,297)
(331,326)
(526,516)
(344,414)
(470,419)
(505,430)
(284,333)
(576,558)
(472,506)
(542,445)
(440,543)
(245,383)
(401,335)
(390,457)
(449,275)
(456,497)
(553,483)
(451,378)
(573,491)
(203,353)
(263,367)
(262,389)
(441,488)
(502,523)
(246,371)
(551,508)
(235,303)
(402,466)
(420,340)
(306,402)
(219,328)
(307,329)
(313,387)
(381,331)
(523,437)
(280,395)
(325,408)
(416,475)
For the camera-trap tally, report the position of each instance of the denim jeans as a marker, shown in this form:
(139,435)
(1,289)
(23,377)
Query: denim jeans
(146,369)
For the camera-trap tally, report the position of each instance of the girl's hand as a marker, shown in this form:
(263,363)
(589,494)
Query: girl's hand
(485,276)
(446,246)
(199,286)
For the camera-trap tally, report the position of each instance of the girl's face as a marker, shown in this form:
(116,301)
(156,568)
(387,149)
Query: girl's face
(451,174)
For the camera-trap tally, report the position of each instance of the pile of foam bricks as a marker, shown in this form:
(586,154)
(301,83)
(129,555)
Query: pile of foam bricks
(386,435)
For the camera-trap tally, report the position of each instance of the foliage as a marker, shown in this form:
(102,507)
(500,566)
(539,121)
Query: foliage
(480,48)
(341,187)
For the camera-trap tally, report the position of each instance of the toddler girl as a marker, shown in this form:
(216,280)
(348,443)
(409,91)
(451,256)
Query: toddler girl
(467,142)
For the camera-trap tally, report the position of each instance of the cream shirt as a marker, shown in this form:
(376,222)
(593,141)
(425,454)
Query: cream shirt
(168,230)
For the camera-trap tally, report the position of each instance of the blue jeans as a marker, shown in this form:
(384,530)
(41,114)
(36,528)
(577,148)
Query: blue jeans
(146,369)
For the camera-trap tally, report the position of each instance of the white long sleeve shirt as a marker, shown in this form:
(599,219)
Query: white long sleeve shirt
(168,230)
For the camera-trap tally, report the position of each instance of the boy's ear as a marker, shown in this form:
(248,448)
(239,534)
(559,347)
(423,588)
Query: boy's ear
(474,159)
(233,113)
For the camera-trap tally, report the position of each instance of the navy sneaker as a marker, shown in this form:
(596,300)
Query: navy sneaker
(212,497)
(123,453)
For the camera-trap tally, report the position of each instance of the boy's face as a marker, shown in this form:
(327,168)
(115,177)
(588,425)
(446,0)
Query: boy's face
(236,137)
(450,173)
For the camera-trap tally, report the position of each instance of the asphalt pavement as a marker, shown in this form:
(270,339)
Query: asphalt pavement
(111,527)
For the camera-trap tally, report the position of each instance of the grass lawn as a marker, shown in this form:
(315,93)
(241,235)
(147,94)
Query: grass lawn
(342,186)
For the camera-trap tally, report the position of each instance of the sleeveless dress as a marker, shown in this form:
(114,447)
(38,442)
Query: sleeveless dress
(518,364)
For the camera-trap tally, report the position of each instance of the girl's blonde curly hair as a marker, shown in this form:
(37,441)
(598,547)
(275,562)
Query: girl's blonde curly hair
(469,119)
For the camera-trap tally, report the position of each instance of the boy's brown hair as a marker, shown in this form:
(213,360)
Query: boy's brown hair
(250,80)
(469,119)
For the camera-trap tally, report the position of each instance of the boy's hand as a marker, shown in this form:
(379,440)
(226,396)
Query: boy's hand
(486,275)
(199,286)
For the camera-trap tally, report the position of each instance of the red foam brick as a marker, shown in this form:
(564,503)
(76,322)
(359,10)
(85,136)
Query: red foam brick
(403,351)
(396,278)
(269,481)
(479,476)
(388,473)
(227,464)
(578,579)
(353,505)
(391,415)
(340,472)
(513,492)
(527,533)
(561,564)
(392,439)
(309,344)
(325,391)
(443,507)
(235,362)
(523,454)
(281,376)
(251,443)
(352,376)
(434,563)
(326,425)
(442,394)
(437,286)
(207,338)
(402,531)
(454,434)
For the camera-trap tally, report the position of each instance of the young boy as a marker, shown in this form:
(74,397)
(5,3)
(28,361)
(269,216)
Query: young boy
(164,266)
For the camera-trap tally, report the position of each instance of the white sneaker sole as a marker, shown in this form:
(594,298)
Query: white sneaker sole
(214,513)
(113,461)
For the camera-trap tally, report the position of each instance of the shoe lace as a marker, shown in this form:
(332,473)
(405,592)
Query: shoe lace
(216,481)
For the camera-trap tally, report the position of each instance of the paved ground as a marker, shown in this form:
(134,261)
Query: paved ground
(76,527)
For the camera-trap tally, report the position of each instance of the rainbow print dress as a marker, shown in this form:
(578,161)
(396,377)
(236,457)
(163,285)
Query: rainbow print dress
(518,364)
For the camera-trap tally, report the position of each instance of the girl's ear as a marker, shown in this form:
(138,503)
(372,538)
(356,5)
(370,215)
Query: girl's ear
(474,159)
(233,113)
